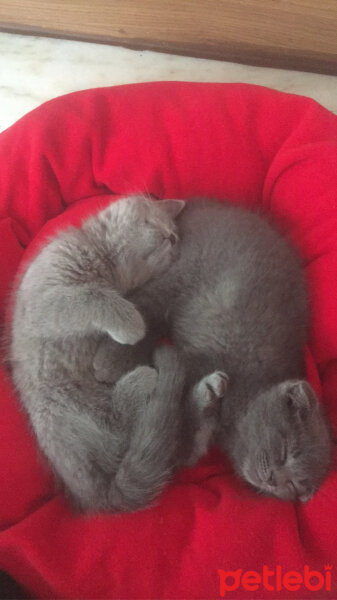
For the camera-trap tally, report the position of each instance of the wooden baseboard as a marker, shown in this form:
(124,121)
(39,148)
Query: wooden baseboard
(292,34)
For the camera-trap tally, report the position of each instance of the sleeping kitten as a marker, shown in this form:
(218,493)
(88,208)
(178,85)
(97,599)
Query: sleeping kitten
(113,446)
(235,302)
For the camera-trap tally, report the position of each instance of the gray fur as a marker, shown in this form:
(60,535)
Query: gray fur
(113,445)
(235,302)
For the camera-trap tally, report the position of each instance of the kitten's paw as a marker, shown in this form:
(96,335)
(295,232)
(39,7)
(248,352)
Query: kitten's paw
(143,379)
(132,331)
(217,384)
(210,389)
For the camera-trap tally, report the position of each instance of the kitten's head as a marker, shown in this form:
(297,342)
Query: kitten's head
(283,446)
(149,222)
(143,234)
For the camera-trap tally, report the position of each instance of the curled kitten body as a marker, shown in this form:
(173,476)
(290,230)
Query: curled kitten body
(72,293)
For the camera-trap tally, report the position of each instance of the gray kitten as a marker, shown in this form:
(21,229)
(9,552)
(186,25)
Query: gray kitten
(114,445)
(234,302)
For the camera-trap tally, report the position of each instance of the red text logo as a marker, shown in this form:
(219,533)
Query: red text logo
(275,580)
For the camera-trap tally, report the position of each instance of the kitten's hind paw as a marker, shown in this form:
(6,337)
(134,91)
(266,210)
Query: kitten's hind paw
(210,389)
(217,384)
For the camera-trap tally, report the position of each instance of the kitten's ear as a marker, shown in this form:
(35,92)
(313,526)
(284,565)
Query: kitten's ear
(301,398)
(172,207)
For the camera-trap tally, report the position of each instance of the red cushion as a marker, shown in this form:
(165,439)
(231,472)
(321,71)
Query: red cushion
(257,147)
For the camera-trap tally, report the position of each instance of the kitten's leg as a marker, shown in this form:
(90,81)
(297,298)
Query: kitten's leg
(152,453)
(67,310)
(204,409)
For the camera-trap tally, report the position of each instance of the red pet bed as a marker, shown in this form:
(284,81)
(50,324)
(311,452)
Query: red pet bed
(254,146)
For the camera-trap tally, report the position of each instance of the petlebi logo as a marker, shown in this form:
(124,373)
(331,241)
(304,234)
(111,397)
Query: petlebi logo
(275,580)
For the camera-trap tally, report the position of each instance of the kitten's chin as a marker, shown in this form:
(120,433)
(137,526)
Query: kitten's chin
(306,496)
(287,493)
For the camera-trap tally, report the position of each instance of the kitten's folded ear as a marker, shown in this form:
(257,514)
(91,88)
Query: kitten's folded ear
(300,397)
(172,207)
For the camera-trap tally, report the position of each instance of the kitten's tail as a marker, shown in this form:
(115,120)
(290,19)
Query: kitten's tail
(153,451)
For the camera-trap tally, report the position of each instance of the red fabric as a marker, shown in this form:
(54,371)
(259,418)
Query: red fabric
(256,147)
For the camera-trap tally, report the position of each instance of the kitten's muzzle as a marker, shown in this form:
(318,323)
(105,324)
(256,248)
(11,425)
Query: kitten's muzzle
(281,485)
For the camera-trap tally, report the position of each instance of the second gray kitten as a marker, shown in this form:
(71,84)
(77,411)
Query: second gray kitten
(235,302)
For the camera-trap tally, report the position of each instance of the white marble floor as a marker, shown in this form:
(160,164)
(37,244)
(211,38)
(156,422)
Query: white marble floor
(35,69)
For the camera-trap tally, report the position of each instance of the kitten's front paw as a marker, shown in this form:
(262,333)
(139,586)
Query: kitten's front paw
(132,331)
(210,389)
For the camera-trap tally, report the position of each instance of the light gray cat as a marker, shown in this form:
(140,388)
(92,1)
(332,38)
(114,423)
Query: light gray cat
(234,302)
(113,446)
